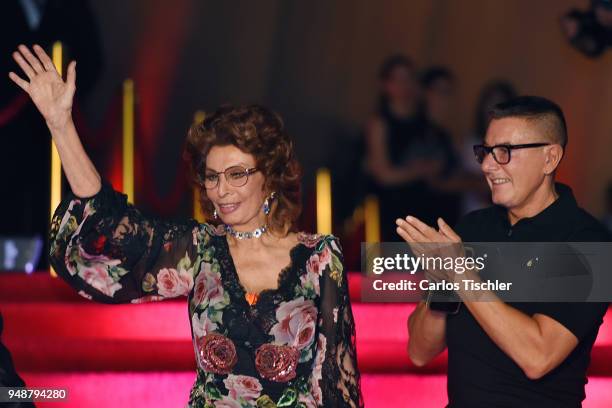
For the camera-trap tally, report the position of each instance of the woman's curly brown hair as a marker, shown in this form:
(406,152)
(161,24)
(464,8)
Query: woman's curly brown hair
(260,132)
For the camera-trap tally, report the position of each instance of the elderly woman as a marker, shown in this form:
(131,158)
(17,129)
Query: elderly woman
(269,307)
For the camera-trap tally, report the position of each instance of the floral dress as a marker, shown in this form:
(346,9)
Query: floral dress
(293,348)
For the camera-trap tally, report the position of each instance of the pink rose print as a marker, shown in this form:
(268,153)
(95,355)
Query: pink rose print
(311,279)
(200,283)
(208,286)
(216,353)
(97,276)
(243,386)
(296,323)
(173,283)
(318,262)
(75,262)
(276,363)
(227,402)
(202,325)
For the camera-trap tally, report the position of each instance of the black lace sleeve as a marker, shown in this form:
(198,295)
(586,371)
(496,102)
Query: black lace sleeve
(108,251)
(340,382)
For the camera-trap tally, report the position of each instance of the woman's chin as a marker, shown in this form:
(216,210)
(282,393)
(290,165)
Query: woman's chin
(230,221)
(235,221)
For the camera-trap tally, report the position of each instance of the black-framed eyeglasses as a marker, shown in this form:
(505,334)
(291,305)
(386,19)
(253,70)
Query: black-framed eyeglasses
(501,152)
(236,176)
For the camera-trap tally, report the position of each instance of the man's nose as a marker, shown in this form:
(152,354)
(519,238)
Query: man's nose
(489,163)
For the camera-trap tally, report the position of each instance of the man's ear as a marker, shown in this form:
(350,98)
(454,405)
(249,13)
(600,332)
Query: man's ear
(552,157)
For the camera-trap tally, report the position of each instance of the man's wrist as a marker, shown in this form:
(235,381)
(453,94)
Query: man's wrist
(462,279)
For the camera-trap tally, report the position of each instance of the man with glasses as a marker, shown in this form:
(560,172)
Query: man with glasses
(520,354)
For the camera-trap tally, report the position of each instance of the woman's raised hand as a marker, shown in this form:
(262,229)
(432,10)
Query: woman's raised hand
(51,95)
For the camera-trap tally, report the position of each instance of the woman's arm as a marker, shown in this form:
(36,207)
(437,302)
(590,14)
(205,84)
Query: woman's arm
(108,250)
(99,243)
(53,97)
(339,377)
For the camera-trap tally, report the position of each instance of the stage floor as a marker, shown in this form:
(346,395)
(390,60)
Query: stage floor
(142,356)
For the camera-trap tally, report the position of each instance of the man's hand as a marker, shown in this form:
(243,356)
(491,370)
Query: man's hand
(427,241)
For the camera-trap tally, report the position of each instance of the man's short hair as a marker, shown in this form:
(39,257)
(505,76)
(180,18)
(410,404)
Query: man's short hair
(538,109)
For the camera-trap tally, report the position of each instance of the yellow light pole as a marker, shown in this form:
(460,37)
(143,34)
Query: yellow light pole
(371,209)
(128,139)
(372,219)
(324,202)
(198,213)
(56,164)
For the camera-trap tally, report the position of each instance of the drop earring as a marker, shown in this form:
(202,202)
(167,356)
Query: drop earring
(266,204)
(215,215)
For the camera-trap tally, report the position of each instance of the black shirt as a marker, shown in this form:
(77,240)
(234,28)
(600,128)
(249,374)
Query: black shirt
(480,374)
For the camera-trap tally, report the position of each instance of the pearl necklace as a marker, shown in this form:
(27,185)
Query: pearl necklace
(246,235)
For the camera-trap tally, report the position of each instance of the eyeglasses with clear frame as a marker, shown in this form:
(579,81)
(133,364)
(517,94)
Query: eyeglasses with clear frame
(236,176)
(502,153)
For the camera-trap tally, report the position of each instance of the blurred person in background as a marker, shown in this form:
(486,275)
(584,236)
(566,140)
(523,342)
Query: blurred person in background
(589,31)
(439,84)
(404,152)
